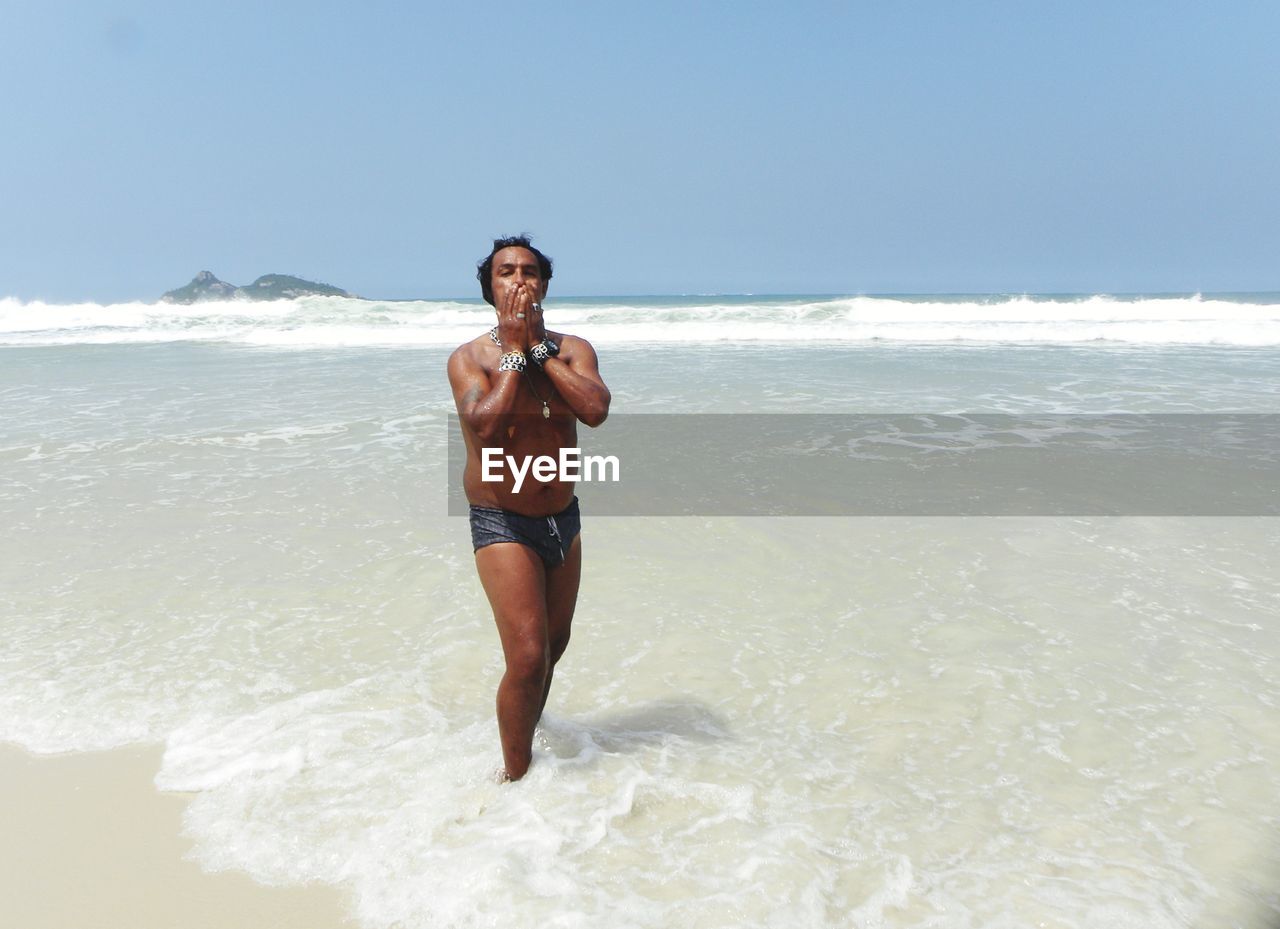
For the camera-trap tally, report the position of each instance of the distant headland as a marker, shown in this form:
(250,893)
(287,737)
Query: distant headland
(204,286)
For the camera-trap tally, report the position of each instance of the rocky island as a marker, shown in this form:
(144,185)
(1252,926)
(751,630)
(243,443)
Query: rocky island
(204,286)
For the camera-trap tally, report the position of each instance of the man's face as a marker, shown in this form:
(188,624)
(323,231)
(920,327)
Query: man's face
(515,267)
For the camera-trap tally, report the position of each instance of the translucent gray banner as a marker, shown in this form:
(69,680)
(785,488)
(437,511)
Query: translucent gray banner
(926,465)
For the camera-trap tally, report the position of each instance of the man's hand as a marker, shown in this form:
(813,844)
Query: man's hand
(519,323)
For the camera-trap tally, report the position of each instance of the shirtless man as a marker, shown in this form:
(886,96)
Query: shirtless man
(522,389)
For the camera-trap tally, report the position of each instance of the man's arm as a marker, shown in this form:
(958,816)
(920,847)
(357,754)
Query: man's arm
(575,372)
(486,401)
(484,404)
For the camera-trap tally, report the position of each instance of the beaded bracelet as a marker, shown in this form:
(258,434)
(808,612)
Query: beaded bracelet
(512,361)
(544,350)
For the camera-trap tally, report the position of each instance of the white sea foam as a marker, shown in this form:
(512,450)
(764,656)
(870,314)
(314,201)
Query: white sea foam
(244,557)
(337,322)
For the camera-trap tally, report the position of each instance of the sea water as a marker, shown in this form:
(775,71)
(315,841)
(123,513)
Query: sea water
(226,532)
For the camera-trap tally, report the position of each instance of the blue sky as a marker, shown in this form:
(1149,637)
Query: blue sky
(874,147)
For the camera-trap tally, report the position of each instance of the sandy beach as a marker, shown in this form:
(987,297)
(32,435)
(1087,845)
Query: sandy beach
(90,842)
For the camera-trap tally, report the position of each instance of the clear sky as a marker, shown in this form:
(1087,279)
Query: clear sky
(656,147)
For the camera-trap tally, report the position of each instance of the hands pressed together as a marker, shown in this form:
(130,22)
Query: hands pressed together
(520,318)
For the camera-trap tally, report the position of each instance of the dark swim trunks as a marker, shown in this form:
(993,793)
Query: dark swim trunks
(549,536)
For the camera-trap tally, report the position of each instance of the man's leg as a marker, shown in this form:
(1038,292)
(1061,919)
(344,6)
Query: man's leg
(562,597)
(515,582)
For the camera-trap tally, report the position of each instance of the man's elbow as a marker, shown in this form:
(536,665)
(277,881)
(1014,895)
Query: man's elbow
(485,426)
(596,413)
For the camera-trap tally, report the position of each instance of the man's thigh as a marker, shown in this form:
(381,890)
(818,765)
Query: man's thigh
(562,592)
(515,582)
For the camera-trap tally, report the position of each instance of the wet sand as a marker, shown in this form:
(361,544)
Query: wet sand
(88,841)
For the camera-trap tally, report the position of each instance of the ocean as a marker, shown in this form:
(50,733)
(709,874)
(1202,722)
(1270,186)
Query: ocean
(227,532)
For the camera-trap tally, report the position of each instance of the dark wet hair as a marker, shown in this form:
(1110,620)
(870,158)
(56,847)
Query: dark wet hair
(484,269)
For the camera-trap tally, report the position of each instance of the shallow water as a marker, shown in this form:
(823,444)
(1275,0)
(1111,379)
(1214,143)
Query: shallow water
(243,553)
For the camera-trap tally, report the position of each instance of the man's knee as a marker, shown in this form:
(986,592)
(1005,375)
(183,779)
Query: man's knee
(558,646)
(527,663)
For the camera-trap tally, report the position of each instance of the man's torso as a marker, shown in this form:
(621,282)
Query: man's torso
(529,435)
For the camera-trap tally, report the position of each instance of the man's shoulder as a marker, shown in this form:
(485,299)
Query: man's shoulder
(569,342)
(470,354)
(473,348)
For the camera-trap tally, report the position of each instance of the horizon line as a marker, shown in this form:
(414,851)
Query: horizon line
(779,295)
